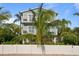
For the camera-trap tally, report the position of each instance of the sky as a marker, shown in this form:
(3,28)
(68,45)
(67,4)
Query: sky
(64,10)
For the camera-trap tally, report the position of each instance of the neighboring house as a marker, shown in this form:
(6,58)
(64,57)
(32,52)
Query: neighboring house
(26,23)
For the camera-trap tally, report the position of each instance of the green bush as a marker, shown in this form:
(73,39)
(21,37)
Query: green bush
(70,39)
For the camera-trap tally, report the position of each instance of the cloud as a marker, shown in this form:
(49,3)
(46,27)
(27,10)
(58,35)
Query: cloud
(10,20)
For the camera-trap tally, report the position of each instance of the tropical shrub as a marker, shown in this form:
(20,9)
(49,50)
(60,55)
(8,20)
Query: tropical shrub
(70,38)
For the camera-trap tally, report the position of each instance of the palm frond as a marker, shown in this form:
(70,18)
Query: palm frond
(4,15)
(77,14)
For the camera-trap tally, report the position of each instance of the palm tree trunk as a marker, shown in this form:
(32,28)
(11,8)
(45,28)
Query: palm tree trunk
(43,47)
(20,26)
(40,30)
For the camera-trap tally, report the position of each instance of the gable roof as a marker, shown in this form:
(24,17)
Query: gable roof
(29,10)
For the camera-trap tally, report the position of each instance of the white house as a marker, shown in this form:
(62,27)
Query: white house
(26,23)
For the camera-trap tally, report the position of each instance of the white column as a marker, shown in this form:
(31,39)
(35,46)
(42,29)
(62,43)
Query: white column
(55,40)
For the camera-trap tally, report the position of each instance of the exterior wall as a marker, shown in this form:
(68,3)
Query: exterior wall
(33,49)
(26,16)
(28,29)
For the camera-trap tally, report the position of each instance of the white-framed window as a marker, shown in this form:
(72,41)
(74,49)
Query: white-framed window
(31,29)
(30,17)
(24,17)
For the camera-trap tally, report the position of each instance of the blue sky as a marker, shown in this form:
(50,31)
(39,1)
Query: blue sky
(64,10)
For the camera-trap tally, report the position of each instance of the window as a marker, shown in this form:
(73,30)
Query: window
(30,17)
(24,19)
(31,29)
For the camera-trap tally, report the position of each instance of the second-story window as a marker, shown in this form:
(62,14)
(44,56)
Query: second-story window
(30,17)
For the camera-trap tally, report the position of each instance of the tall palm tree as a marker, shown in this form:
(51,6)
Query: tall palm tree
(40,21)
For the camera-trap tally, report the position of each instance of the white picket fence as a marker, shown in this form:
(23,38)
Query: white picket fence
(34,49)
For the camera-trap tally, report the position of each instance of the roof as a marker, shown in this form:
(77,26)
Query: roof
(29,10)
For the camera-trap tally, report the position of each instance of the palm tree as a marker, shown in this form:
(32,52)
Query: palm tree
(62,26)
(4,15)
(41,24)
(18,19)
(40,21)
(76,31)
